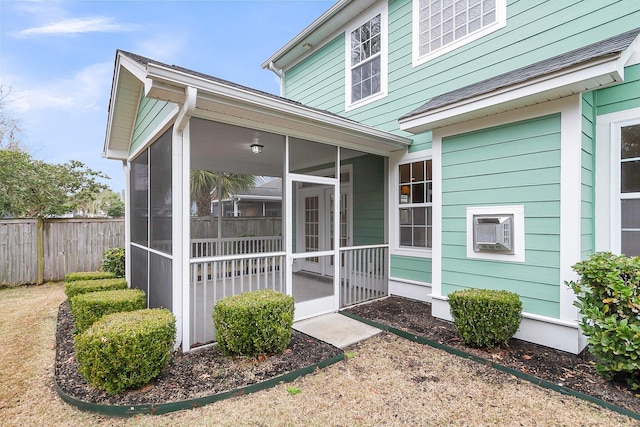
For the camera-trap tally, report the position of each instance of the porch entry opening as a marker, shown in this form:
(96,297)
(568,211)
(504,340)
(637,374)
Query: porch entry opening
(314,279)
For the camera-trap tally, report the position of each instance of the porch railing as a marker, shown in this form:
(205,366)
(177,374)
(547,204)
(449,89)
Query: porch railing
(235,245)
(214,278)
(364,274)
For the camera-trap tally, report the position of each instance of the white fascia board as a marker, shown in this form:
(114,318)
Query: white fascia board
(169,84)
(139,72)
(584,77)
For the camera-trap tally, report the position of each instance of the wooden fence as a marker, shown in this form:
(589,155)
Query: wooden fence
(36,251)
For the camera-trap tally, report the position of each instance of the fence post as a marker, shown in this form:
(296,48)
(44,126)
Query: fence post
(40,251)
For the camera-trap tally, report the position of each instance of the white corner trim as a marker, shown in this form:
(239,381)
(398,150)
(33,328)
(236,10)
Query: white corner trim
(519,235)
(570,202)
(436,251)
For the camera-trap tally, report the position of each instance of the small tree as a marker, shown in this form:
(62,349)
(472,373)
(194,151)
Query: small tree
(204,187)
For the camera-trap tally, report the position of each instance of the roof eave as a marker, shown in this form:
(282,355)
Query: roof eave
(580,78)
(313,35)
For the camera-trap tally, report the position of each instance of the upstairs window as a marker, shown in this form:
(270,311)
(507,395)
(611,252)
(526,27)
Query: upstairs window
(366,59)
(443,25)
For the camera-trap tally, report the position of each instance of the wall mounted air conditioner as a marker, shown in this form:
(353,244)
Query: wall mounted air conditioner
(493,233)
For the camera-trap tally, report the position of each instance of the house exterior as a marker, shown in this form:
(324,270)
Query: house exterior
(467,144)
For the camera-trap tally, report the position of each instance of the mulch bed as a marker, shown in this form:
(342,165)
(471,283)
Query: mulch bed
(196,374)
(576,372)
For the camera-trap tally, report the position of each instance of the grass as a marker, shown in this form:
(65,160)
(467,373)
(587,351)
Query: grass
(392,381)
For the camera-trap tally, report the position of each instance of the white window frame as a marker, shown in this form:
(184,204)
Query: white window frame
(381,10)
(501,21)
(608,194)
(394,204)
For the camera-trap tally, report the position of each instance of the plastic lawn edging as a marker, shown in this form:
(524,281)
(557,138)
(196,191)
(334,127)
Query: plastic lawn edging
(538,381)
(163,408)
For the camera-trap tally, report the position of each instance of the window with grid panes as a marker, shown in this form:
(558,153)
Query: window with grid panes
(630,190)
(366,53)
(443,22)
(415,185)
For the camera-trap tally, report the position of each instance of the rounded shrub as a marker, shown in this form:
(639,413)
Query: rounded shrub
(90,307)
(608,299)
(126,350)
(254,323)
(485,318)
(90,275)
(78,287)
(113,261)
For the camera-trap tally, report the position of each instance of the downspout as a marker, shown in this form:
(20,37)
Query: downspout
(280,75)
(180,226)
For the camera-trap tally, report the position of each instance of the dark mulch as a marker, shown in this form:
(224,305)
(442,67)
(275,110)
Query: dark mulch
(192,375)
(576,372)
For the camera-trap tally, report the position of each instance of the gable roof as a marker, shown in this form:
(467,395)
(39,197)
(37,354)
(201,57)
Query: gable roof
(136,76)
(608,50)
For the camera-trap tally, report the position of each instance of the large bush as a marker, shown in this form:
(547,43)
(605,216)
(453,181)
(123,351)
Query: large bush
(90,307)
(126,350)
(609,303)
(113,260)
(254,323)
(78,287)
(485,318)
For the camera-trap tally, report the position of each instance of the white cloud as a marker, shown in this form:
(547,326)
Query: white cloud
(87,90)
(76,26)
(162,47)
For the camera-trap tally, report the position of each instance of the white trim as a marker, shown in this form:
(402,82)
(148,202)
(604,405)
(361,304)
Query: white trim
(501,22)
(436,252)
(127,220)
(607,180)
(407,289)
(383,11)
(570,202)
(396,159)
(518,226)
(153,251)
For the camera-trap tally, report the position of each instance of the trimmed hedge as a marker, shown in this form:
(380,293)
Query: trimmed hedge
(126,350)
(608,294)
(485,318)
(90,307)
(85,286)
(254,323)
(90,275)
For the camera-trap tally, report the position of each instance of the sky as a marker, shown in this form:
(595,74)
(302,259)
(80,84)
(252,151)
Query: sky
(57,58)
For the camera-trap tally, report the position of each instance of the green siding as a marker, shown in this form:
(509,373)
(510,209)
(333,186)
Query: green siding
(620,97)
(515,164)
(536,30)
(411,268)
(368,199)
(150,114)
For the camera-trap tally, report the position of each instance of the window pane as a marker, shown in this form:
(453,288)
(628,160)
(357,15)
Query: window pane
(419,217)
(417,169)
(419,237)
(405,173)
(630,142)
(405,236)
(405,216)
(630,177)
(630,243)
(417,191)
(630,213)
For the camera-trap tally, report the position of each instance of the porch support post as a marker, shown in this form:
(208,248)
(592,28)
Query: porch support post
(127,221)
(337,262)
(180,219)
(288,218)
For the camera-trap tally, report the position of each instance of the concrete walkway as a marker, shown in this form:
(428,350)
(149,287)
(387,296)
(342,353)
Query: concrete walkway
(336,329)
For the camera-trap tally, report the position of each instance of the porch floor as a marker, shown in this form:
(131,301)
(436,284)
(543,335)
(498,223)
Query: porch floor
(336,329)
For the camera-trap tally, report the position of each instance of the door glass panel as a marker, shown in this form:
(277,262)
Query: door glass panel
(630,243)
(630,142)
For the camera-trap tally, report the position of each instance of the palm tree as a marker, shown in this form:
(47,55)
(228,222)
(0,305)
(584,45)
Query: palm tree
(204,187)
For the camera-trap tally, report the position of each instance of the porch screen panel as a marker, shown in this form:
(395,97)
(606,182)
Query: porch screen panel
(160,273)
(160,193)
(139,199)
(139,269)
